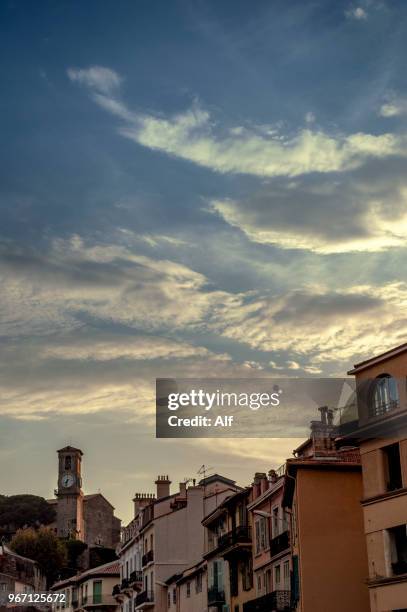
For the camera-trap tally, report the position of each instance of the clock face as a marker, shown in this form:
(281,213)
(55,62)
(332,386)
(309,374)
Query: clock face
(67,480)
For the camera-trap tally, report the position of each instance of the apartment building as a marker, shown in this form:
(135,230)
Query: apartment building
(381,432)
(322,492)
(19,574)
(90,590)
(271,544)
(164,539)
(187,591)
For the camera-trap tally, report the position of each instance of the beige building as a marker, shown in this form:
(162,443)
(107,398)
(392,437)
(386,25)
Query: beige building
(19,574)
(89,591)
(188,591)
(381,431)
(164,539)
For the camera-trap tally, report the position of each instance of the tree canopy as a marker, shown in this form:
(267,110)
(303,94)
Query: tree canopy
(17,511)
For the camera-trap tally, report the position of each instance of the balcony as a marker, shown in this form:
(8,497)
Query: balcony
(147,558)
(279,543)
(216,596)
(100,599)
(125,584)
(145,599)
(277,601)
(136,577)
(238,538)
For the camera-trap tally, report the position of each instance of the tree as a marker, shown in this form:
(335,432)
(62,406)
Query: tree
(17,511)
(44,547)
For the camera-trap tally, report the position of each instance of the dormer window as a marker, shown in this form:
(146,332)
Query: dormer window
(384,396)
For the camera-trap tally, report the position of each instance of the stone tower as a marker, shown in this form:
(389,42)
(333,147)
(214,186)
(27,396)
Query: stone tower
(70,516)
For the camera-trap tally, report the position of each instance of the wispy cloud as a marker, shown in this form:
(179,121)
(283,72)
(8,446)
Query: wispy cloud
(99,78)
(194,136)
(356,12)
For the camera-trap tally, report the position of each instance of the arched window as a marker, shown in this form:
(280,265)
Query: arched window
(385,396)
(68,462)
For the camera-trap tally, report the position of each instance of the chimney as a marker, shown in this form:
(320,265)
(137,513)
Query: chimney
(324,412)
(141,500)
(272,476)
(183,489)
(259,477)
(163,486)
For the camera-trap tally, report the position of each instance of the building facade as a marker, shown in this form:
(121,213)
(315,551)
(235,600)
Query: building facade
(271,544)
(90,591)
(381,432)
(19,574)
(322,493)
(165,538)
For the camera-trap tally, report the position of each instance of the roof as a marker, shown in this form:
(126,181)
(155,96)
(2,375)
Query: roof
(358,367)
(5,550)
(347,461)
(216,478)
(107,569)
(70,449)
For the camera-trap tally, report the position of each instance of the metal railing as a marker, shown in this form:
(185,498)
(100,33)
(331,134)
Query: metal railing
(239,535)
(147,558)
(216,596)
(279,543)
(145,597)
(276,601)
(136,576)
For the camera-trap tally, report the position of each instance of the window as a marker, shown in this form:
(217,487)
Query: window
(384,397)
(68,462)
(261,534)
(169,599)
(277,575)
(97,592)
(398,549)
(286,574)
(275,522)
(188,589)
(174,595)
(247,574)
(393,467)
(198,583)
(259,582)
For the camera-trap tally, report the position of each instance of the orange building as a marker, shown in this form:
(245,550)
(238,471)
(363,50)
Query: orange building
(381,431)
(323,489)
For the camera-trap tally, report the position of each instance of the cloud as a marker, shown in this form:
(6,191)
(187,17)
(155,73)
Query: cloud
(395,107)
(362,211)
(357,13)
(322,326)
(98,78)
(194,136)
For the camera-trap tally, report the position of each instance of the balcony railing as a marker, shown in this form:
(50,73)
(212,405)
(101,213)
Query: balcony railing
(145,597)
(100,599)
(279,543)
(147,558)
(277,601)
(216,596)
(239,535)
(136,576)
(125,584)
(376,410)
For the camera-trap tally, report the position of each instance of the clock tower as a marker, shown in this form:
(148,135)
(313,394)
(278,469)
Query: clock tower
(70,520)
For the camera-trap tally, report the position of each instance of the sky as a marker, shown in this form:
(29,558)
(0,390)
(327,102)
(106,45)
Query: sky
(190,189)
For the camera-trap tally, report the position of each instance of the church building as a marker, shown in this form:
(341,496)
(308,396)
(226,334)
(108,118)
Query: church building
(89,518)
